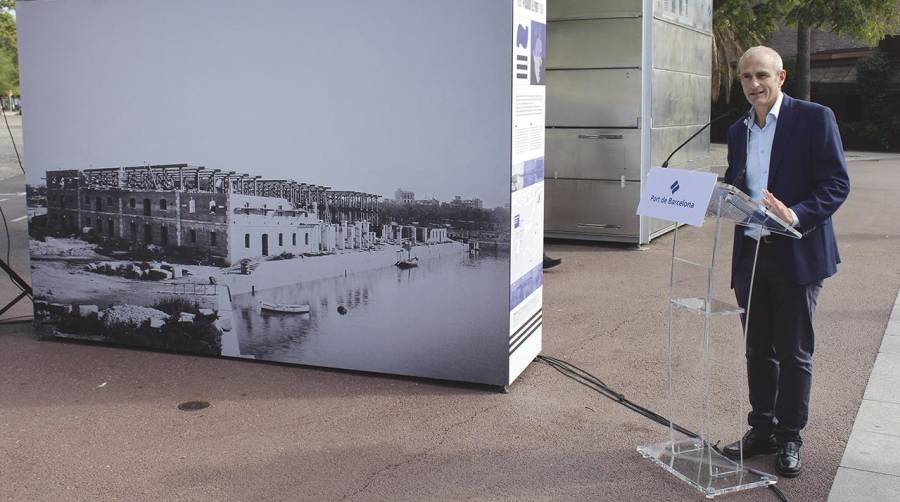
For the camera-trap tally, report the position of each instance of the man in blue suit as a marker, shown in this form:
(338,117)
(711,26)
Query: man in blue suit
(787,154)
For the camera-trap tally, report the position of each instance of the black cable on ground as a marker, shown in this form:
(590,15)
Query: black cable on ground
(15,149)
(592,382)
(6,229)
(5,225)
(23,287)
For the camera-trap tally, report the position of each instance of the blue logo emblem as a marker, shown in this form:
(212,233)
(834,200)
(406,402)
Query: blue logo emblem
(675,186)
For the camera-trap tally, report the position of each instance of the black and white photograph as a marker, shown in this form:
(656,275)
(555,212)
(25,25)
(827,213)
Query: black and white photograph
(250,200)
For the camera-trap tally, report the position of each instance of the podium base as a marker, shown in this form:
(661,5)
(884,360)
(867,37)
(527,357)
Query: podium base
(702,467)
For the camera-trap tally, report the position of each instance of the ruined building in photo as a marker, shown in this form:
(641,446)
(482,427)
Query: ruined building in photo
(226,215)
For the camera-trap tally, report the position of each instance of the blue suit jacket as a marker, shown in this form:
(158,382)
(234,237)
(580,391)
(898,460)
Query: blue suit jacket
(807,172)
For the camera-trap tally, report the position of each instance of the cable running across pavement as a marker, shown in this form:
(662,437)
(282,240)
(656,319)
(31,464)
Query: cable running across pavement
(24,287)
(592,382)
(8,128)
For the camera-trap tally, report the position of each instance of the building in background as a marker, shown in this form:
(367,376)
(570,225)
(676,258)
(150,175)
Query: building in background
(832,61)
(473,203)
(228,216)
(403,197)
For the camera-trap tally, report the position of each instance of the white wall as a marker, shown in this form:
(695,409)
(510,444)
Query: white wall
(304,226)
(308,237)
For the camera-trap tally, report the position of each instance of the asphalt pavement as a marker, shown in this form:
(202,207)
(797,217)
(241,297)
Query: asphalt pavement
(88,422)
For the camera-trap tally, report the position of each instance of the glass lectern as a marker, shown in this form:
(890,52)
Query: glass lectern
(706,369)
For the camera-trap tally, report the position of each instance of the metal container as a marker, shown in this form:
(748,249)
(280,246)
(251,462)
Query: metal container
(627,82)
(592,209)
(575,43)
(609,154)
(568,105)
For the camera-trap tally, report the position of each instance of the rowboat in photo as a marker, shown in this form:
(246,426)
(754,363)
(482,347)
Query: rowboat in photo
(408,263)
(284,308)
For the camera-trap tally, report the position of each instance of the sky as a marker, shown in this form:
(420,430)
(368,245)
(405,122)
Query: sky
(367,96)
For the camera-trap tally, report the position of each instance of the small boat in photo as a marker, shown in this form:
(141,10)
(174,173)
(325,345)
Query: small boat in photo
(284,308)
(408,263)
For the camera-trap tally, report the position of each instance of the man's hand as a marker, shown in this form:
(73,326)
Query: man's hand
(777,207)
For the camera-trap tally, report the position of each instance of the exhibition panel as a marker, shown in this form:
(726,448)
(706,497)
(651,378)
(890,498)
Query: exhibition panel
(346,184)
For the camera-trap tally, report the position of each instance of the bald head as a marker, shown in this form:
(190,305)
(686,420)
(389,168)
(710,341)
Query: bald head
(763,52)
(762,75)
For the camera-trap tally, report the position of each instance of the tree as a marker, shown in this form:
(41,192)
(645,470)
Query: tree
(737,26)
(9,52)
(865,20)
(881,107)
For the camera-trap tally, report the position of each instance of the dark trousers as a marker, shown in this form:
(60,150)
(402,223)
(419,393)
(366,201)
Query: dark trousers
(780,342)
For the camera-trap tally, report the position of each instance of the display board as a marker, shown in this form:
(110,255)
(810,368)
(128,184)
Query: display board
(527,201)
(345,184)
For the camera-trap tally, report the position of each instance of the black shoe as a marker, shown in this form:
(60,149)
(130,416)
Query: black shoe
(755,442)
(787,463)
(551,262)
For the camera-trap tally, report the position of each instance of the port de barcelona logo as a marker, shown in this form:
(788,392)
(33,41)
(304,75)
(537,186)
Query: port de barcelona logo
(678,195)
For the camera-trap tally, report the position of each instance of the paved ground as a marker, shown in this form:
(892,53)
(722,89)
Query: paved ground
(9,166)
(12,203)
(82,422)
(870,467)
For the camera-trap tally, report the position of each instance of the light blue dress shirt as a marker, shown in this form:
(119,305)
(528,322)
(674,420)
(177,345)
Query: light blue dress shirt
(759,150)
(759,153)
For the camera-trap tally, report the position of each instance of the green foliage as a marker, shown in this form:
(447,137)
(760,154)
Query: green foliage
(873,75)
(750,22)
(737,26)
(790,66)
(865,20)
(881,108)
(9,56)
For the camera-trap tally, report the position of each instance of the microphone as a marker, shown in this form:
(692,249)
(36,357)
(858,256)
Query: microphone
(711,122)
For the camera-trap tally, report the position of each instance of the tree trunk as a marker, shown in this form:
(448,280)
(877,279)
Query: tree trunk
(801,82)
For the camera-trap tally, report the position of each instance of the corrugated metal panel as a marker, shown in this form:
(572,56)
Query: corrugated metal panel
(681,49)
(675,98)
(593,98)
(592,207)
(595,43)
(607,154)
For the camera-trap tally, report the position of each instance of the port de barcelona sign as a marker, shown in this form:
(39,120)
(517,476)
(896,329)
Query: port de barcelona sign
(678,195)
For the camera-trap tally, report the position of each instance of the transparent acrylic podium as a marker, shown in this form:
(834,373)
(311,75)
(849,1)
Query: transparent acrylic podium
(706,367)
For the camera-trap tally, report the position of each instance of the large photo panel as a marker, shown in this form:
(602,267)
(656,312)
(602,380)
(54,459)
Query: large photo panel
(322,183)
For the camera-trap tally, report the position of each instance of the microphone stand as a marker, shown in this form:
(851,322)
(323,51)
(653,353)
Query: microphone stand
(711,122)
